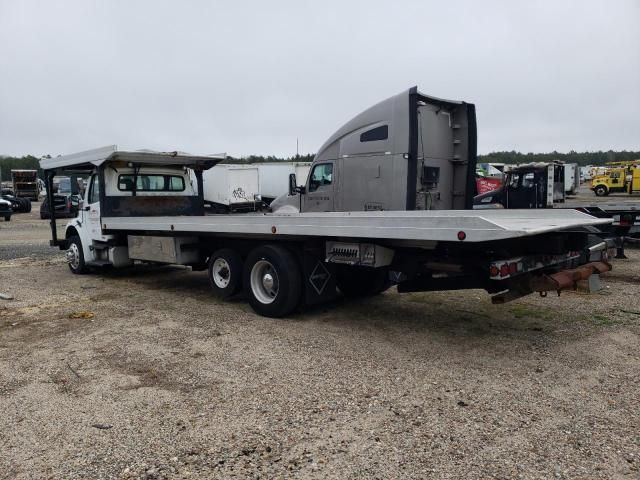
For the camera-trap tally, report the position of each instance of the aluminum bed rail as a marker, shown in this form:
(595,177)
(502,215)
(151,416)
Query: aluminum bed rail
(426,226)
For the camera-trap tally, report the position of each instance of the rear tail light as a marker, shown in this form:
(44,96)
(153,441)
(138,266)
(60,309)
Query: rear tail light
(506,269)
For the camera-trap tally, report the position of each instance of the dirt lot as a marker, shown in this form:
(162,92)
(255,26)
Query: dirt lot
(156,379)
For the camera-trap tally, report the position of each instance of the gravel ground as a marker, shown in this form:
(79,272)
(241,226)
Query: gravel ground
(141,374)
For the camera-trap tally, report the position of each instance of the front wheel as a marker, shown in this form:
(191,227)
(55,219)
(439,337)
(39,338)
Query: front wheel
(75,256)
(225,273)
(272,281)
(601,191)
(7,218)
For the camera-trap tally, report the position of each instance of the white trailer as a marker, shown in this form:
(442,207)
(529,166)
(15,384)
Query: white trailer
(234,188)
(571,178)
(274,177)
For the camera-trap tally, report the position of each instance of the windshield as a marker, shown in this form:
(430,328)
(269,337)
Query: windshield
(64,185)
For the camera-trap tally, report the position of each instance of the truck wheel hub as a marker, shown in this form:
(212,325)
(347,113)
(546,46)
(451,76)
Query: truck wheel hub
(221,273)
(73,256)
(264,282)
(267,281)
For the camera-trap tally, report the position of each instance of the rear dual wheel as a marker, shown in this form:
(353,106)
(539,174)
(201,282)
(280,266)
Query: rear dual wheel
(270,276)
(225,273)
(272,281)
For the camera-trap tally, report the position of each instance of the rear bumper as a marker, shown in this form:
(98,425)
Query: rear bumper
(568,279)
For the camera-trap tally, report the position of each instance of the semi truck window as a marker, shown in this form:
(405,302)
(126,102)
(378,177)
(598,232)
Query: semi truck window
(322,174)
(375,134)
(529,180)
(151,183)
(514,179)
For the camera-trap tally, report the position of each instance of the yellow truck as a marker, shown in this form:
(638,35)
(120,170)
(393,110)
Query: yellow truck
(621,177)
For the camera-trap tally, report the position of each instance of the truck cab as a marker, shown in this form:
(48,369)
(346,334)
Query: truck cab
(408,152)
(617,180)
(125,184)
(532,185)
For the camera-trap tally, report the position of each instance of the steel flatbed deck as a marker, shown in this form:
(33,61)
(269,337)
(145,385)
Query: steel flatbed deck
(420,226)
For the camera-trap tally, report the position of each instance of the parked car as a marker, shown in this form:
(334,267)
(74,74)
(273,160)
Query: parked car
(5,210)
(18,205)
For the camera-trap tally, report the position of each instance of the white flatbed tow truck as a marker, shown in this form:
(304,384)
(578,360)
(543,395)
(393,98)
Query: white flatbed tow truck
(283,260)
(141,206)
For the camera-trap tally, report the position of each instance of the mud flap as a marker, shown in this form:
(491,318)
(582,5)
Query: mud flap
(319,277)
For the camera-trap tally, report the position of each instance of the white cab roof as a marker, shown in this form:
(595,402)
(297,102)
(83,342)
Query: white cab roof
(98,156)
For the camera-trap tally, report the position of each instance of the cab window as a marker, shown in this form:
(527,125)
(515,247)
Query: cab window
(514,179)
(94,191)
(375,134)
(151,183)
(321,175)
(528,180)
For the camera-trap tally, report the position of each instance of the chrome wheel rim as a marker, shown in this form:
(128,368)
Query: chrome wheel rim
(221,273)
(264,282)
(73,256)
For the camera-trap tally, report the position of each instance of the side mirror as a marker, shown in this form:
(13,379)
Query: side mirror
(74,203)
(293,184)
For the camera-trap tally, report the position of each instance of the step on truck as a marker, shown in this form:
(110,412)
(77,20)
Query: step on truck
(387,202)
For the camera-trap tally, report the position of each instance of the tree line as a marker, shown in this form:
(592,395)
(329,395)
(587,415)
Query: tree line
(29,162)
(581,158)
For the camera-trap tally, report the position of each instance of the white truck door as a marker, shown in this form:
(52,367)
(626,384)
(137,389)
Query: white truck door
(92,209)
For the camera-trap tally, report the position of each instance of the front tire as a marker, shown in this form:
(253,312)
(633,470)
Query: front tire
(272,281)
(225,273)
(7,218)
(601,191)
(75,256)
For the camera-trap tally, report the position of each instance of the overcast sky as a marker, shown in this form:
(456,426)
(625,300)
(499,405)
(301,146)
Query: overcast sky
(250,77)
